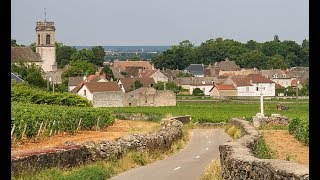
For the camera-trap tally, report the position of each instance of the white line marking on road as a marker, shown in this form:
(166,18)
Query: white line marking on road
(197,157)
(207,148)
(176,168)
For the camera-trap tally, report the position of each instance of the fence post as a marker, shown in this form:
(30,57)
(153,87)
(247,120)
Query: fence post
(98,124)
(52,127)
(39,129)
(79,125)
(24,130)
(12,129)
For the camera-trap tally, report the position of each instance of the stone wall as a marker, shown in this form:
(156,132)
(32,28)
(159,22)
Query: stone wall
(165,98)
(238,162)
(73,154)
(108,99)
(274,119)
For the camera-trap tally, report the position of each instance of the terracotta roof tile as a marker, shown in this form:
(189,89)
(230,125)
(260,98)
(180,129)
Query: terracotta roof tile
(241,81)
(124,64)
(24,54)
(147,73)
(258,78)
(102,86)
(225,87)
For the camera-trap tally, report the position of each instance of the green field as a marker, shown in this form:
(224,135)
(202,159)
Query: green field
(219,111)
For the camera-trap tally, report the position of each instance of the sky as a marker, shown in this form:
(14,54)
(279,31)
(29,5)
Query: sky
(161,22)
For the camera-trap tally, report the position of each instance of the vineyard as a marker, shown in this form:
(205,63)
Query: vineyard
(32,120)
(216,111)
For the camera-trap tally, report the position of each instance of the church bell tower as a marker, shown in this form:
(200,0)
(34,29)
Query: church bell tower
(45,45)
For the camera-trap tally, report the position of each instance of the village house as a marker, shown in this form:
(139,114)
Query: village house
(155,74)
(221,90)
(277,76)
(204,83)
(126,84)
(196,69)
(226,65)
(242,72)
(101,94)
(171,74)
(75,81)
(122,66)
(252,85)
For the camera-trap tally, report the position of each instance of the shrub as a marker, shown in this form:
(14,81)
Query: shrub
(197,92)
(300,128)
(262,150)
(24,93)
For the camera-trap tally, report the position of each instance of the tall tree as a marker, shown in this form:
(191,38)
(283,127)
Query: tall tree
(98,54)
(83,55)
(276,62)
(31,73)
(63,55)
(253,59)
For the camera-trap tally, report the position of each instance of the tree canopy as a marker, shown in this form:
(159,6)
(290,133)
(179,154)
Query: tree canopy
(273,54)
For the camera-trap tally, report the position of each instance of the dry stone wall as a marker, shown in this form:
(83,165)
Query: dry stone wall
(73,154)
(238,162)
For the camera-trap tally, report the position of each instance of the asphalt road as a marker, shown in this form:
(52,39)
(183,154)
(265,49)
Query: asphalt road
(188,164)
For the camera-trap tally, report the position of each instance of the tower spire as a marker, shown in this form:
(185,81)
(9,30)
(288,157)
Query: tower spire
(45,15)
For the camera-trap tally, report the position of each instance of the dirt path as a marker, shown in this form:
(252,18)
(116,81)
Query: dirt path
(118,129)
(286,146)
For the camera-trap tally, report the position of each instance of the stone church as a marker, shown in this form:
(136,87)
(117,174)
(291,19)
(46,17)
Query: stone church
(45,55)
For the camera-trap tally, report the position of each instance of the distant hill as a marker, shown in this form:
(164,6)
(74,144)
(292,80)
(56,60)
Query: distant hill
(130,49)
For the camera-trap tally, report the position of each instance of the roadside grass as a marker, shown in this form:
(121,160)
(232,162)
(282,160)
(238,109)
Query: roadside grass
(262,150)
(105,169)
(212,171)
(234,132)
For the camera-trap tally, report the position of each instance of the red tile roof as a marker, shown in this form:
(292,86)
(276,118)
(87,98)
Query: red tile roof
(241,81)
(258,78)
(102,86)
(124,64)
(147,73)
(225,87)
(97,86)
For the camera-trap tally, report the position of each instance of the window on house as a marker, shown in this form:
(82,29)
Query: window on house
(47,39)
(129,104)
(146,100)
(85,92)
(38,39)
(247,89)
(151,85)
(203,82)
(257,88)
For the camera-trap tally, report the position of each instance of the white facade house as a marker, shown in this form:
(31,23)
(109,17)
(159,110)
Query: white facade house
(252,85)
(85,92)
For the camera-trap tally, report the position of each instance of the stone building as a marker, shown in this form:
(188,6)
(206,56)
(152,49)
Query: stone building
(45,45)
(148,96)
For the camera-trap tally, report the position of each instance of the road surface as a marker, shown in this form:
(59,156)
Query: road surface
(188,164)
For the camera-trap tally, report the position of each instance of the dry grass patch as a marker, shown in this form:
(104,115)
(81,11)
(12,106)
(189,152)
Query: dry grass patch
(212,171)
(233,131)
(286,146)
